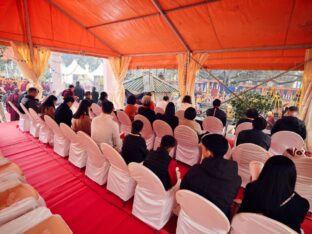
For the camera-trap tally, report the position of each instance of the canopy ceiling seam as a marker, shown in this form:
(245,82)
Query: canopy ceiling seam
(214,29)
(289,22)
(81,25)
(28,29)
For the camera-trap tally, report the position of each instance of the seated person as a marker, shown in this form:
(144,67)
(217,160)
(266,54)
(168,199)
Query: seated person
(104,129)
(145,109)
(290,122)
(134,146)
(30,101)
(131,109)
(103,98)
(273,194)
(215,178)
(152,104)
(251,114)
(189,120)
(162,164)
(48,107)
(81,119)
(186,103)
(88,96)
(69,92)
(216,112)
(255,135)
(63,114)
(163,103)
(169,116)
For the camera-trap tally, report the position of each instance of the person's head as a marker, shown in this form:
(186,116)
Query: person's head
(88,95)
(77,83)
(166,98)
(146,101)
(149,94)
(50,101)
(214,145)
(16,91)
(252,113)
(168,143)
(259,123)
(270,114)
(292,111)
(107,107)
(83,109)
(103,96)
(69,101)
(216,103)
(93,89)
(33,92)
(190,113)
(187,99)
(170,109)
(137,126)
(131,100)
(71,87)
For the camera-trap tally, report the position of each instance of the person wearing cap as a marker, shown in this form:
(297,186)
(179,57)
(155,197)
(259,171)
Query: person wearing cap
(215,178)
(63,114)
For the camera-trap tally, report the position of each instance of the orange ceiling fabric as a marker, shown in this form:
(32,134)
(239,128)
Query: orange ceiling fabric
(233,32)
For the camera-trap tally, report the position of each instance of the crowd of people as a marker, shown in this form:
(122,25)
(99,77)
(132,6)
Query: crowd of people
(215,178)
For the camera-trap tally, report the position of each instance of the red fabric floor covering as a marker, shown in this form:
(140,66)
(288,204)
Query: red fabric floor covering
(85,206)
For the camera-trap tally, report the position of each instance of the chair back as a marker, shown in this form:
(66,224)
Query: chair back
(161,128)
(283,140)
(115,118)
(36,117)
(69,133)
(125,122)
(197,209)
(146,179)
(147,130)
(244,223)
(255,169)
(26,111)
(159,110)
(15,108)
(242,127)
(53,126)
(212,124)
(180,114)
(96,109)
(246,153)
(114,157)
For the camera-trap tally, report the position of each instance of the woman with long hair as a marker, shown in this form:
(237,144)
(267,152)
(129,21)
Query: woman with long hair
(103,98)
(273,194)
(169,116)
(48,107)
(186,102)
(81,119)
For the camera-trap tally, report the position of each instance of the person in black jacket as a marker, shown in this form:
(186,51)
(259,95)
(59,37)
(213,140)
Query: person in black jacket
(255,135)
(134,146)
(169,116)
(145,109)
(216,112)
(290,122)
(79,91)
(251,114)
(273,194)
(215,178)
(95,95)
(63,114)
(30,101)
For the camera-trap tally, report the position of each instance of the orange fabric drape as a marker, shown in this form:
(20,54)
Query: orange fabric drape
(120,67)
(182,59)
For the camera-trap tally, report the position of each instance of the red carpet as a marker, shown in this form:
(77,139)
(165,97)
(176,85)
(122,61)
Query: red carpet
(84,205)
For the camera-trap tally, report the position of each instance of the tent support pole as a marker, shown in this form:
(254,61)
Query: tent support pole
(28,30)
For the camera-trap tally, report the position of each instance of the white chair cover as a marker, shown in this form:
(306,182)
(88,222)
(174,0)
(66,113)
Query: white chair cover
(250,223)
(77,153)
(24,121)
(10,175)
(125,122)
(33,126)
(198,215)
(283,140)
(119,180)
(242,127)
(97,165)
(147,131)
(304,178)
(159,110)
(152,203)
(246,153)
(60,142)
(115,118)
(75,106)
(228,154)
(255,169)
(212,124)
(180,114)
(161,128)
(27,221)
(45,133)
(188,149)
(96,109)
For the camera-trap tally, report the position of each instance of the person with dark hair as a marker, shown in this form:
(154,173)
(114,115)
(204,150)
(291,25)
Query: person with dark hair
(88,96)
(162,164)
(81,119)
(189,120)
(104,129)
(255,135)
(48,107)
(145,109)
(103,98)
(95,95)
(290,122)
(69,92)
(215,178)
(217,112)
(251,114)
(186,103)
(169,116)
(131,109)
(163,103)
(14,99)
(134,146)
(63,113)
(273,194)
(30,101)
(152,105)
(79,91)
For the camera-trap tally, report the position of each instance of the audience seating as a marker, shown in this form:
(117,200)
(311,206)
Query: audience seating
(33,126)
(45,133)
(115,118)
(283,140)
(77,151)
(246,153)
(147,132)
(119,180)
(10,171)
(125,122)
(242,127)
(96,109)
(152,203)
(246,223)
(24,121)
(212,124)
(188,150)
(97,165)
(159,110)
(180,114)
(255,169)
(198,215)
(161,128)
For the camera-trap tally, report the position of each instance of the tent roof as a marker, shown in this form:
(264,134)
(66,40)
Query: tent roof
(238,34)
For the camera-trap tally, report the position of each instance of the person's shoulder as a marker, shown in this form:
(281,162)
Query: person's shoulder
(304,203)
